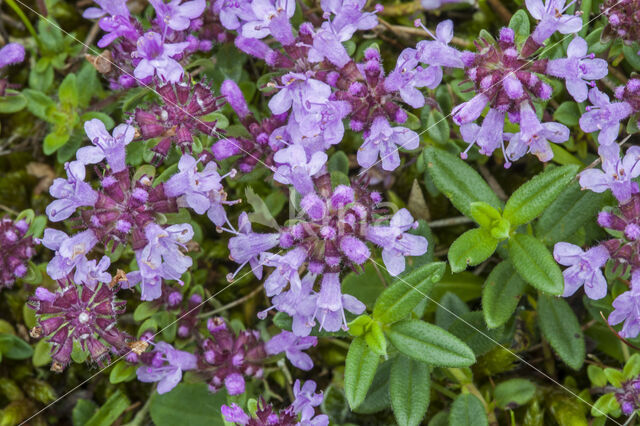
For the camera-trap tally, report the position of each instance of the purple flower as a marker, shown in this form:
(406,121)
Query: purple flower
(437,52)
(162,257)
(91,272)
(12,53)
(578,67)
(384,141)
(325,120)
(247,246)
(489,136)
(106,146)
(79,314)
(167,367)
(604,116)
(584,269)
(306,399)
(107,7)
(396,243)
(70,252)
(469,111)
(408,76)
(295,169)
(627,308)
(286,271)
(299,304)
(437,4)
(232,93)
(157,58)
(331,303)
(298,93)
(177,15)
(616,174)
(16,248)
(550,15)
(272,18)
(202,191)
(72,193)
(534,137)
(293,346)
(235,414)
(233,12)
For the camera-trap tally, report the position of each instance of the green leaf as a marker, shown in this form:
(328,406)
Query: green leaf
(338,162)
(631,55)
(632,367)
(437,126)
(431,344)
(41,354)
(122,372)
(501,294)
(561,328)
(472,329)
(484,214)
(471,248)
(13,101)
(38,103)
(596,375)
(188,404)
(535,264)
(54,141)
(360,368)
(514,392)
(409,388)
(399,299)
(567,113)
(365,286)
(378,396)
(572,209)
(449,309)
(519,23)
(82,412)
(606,404)
(614,376)
(68,91)
(375,339)
(110,410)
(458,181)
(145,310)
(467,410)
(530,200)
(13,347)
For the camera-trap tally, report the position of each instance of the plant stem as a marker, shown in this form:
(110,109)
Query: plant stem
(12,4)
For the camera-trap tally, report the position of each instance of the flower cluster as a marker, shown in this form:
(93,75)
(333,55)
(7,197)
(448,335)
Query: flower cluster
(300,412)
(228,357)
(623,18)
(16,248)
(164,365)
(140,55)
(77,314)
(331,235)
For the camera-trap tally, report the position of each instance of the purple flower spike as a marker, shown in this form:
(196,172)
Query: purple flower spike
(177,15)
(157,58)
(306,399)
(167,366)
(272,18)
(71,193)
(106,146)
(295,169)
(551,17)
(293,346)
(584,269)
(534,137)
(12,53)
(396,243)
(578,68)
(384,141)
(627,308)
(604,116)
(616,174)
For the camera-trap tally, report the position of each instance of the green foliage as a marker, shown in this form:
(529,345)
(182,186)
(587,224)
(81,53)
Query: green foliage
(431,344)
(188,403)
(409,387)
(467,410)
(561,328)
(471,248)
(501,294)
(514,392)
(535,264)
(359,370)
